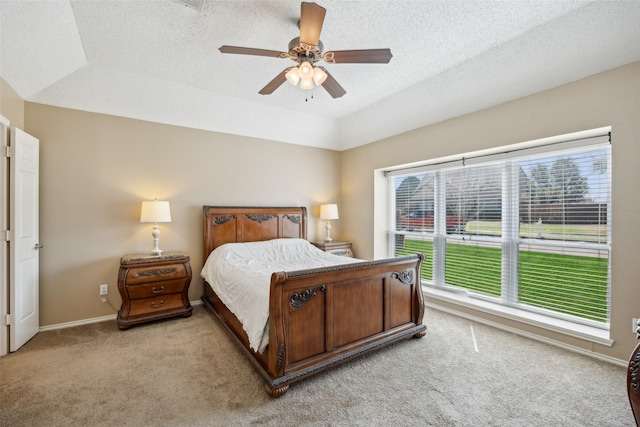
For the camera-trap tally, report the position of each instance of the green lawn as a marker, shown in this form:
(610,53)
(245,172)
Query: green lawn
(574,285)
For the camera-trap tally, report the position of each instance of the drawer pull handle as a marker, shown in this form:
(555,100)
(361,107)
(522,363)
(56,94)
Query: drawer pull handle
(158,290)
(154,305)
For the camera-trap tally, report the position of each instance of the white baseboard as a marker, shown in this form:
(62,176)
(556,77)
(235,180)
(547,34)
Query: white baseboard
(77,323)
(89,321)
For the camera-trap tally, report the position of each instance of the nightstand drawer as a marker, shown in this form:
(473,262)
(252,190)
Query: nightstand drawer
(342,252)
(151,290)
(157,273)
(148,306)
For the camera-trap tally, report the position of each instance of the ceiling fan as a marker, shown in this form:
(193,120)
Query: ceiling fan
(306,50)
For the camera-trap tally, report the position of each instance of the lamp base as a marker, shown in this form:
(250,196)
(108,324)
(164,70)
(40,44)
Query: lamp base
(156,251)
(328,239)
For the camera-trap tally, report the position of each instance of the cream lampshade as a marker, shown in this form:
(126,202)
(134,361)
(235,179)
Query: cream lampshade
(328,212)
(155,211)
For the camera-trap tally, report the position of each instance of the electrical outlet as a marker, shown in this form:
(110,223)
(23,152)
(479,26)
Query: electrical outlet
(104,289)
(634,325)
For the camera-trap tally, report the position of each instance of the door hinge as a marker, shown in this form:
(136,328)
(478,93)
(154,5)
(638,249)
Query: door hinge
(7,235)
(7,151)
(7,319)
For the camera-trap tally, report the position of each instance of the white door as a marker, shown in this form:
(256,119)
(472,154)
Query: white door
(24,246)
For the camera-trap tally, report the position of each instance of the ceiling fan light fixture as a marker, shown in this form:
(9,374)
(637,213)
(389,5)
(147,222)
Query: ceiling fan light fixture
(306,70)
(306,84)
(319,76)
(293,76)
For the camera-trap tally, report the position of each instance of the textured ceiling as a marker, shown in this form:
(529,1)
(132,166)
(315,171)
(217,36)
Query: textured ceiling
(159,61)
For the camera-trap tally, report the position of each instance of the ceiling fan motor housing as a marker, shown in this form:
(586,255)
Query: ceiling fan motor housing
(300,51)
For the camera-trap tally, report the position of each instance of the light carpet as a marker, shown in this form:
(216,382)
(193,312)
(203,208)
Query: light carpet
(188,372)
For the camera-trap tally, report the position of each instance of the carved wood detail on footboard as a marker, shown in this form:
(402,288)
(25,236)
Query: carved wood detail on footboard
(324,317)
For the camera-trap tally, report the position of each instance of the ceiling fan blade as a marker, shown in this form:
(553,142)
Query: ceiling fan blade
(252,51)
(332,86)
(363,56)
(275,83)
(311,20)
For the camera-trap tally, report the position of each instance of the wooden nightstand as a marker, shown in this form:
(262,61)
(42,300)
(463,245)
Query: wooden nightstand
(336,248)
(153,287)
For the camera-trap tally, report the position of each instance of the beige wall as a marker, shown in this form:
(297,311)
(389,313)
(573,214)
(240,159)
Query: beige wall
(96,169)
(11,105)
(611,98)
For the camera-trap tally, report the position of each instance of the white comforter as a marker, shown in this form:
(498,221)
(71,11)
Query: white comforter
(240,274)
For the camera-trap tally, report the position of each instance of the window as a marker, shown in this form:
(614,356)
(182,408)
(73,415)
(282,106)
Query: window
(528,227)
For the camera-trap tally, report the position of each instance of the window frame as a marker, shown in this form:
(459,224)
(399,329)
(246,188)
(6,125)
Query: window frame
(509,156)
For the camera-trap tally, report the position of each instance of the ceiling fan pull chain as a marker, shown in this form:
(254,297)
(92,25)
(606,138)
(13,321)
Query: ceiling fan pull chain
(306,95)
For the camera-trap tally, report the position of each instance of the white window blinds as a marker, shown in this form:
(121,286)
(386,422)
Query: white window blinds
(528,227)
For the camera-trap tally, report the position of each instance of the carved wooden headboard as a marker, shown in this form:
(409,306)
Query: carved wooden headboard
(224,224)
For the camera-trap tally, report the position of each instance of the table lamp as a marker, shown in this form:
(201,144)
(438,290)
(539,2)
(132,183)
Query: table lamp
(329,212)
(155,211)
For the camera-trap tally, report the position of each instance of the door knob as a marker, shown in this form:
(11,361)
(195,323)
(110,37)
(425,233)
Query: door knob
(38,246)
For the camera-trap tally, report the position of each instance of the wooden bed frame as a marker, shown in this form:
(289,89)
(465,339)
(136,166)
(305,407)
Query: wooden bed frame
(318,318)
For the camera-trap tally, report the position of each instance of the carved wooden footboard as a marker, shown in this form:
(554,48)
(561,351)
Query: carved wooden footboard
(320,318)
